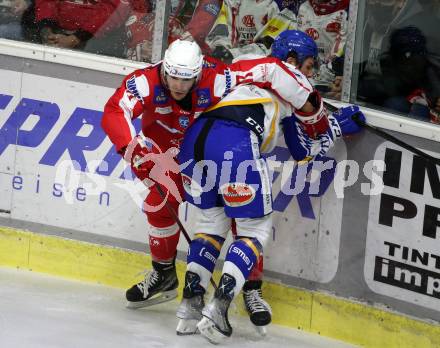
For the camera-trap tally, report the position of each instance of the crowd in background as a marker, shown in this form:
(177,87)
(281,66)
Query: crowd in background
(396,65)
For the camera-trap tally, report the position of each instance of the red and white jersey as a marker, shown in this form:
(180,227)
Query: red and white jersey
(327,27)
(240,21)
(164,121)
(97,17)
(275,108)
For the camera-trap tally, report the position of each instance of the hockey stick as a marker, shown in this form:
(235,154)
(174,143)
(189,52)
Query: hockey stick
(178,222)
(387,136)
(173,213)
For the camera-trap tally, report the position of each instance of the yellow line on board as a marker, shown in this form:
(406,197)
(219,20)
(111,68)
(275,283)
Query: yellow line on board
(312,311)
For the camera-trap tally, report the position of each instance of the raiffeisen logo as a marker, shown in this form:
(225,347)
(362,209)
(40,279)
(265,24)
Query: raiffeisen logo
(32,122)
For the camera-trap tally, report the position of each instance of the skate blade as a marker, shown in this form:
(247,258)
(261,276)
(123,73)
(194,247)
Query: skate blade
(187,327)
(164,296)
(261,330)
(208,330)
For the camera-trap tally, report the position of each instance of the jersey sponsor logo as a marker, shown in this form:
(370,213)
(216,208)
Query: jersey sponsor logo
(333,27)
(237,194)
(313,33)
(207,64)
(255,125)
(203,97)
(191,187)
(164,111)
(206,254)
(212,9)
(132,88)
(184,121)
(228,82)
(248,21)
(272,29)
(160,97)
(181,73)
(236,250)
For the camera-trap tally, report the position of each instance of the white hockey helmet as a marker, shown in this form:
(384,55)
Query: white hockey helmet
(183,59)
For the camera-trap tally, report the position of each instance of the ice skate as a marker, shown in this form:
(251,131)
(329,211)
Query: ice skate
(215,325)
(160,285)
(190,309)
(258,309)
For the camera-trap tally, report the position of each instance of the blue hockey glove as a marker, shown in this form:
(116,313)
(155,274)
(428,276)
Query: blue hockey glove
(349,119)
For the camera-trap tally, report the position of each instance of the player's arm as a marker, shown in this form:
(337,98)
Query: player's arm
(122,107)
(271,73)
(202,21)
(303,147)
(289,84)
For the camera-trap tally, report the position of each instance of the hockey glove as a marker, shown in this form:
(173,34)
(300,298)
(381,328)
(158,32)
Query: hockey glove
(304,147)
(316,122)
(349,120)
(139,156)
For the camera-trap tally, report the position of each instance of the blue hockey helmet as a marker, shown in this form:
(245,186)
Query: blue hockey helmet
(294,41)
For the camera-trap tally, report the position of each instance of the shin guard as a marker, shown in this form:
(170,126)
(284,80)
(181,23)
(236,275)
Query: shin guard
(202,256)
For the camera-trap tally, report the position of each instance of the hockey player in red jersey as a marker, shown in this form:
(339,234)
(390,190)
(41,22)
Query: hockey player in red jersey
(168,96)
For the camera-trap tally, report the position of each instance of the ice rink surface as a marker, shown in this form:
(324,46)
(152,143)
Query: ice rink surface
(37,310)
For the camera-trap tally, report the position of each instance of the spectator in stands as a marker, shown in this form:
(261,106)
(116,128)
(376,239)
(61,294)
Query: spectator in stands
(427,20)
(326,22)
(381,17)
(11,12)
(395,43)
(292,5)
(405,73)
(95,26)
(286,19)
(410,79)
(189,20)
(238,24)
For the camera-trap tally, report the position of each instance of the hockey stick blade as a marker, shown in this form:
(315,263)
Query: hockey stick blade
(388,136)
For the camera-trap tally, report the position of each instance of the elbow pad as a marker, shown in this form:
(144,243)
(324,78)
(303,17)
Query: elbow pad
(315,122)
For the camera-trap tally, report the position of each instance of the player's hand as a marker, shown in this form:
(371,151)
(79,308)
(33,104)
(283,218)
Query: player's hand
(66,41)
(47,36)
(139,156)
(349,119)
(335,88)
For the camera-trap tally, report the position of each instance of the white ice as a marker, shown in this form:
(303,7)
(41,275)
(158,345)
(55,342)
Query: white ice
(37,310)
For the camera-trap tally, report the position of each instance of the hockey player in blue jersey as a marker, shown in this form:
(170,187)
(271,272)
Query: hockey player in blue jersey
(225,177)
